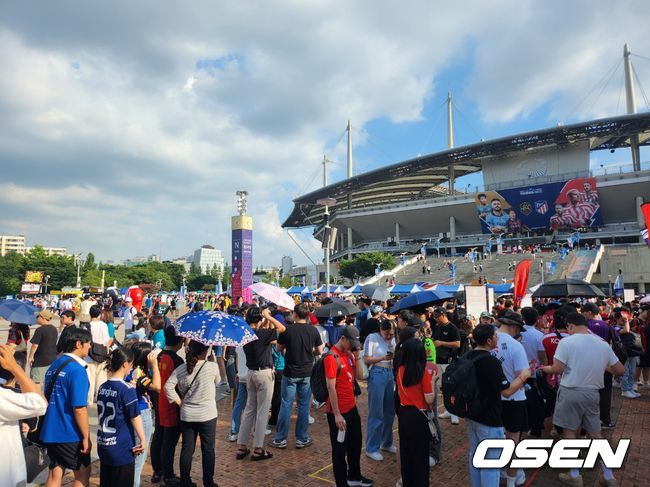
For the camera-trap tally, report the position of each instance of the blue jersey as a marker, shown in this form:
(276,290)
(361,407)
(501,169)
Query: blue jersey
(497,220)
(117,405)
(70,391)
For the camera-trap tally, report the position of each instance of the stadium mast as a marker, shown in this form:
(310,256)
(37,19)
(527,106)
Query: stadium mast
(349,194)
(450,141)
(630,100)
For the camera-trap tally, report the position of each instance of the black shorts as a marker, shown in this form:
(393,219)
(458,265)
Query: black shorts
(514,415)
(122,476)
(67,455)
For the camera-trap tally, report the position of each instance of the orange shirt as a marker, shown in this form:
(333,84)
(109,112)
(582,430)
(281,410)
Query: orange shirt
(414,395)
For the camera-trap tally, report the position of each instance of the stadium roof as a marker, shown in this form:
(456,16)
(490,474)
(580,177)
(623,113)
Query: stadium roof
(420,177)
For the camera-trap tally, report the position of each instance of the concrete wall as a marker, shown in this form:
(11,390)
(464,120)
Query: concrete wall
(633,260)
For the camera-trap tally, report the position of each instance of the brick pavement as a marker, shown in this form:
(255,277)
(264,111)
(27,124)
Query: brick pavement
(312,467)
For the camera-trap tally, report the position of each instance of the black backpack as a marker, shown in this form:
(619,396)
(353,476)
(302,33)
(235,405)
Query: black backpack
(460,389)
(317,380)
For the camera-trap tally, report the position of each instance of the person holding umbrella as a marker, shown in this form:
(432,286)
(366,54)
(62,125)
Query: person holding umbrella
(259,382)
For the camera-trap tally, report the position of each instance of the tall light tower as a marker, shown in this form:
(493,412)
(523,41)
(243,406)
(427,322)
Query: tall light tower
(242,247)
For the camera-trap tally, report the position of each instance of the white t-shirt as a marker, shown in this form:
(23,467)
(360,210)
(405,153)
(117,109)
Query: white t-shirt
(324,337)
(14,407)
(585,357)
(99,332)
(513,360)
(375,346)
(129,313)
(242,370)
(531,340)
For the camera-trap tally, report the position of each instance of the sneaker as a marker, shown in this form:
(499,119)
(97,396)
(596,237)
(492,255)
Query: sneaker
(432,462)
(267,432)
(455,420)
(606,426)
(566,479)
(279,444)
(156,478)
(363,482)
(390,449)
(375,455)
(629,395)
(304,444)
(311,420)
(171,482)
(444,415)
(399,482)
(232,437)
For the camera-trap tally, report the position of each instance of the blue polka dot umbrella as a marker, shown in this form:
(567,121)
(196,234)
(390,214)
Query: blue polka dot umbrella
(215,328)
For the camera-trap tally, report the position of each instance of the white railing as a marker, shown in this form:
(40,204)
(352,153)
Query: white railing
(594,264)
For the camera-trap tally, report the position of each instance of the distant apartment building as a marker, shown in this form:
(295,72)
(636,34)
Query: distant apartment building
(287,265)
(186,262)
(12,243)
(207,257)
(51,250)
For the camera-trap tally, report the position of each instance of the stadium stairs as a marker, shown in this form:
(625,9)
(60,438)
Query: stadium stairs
(495,269)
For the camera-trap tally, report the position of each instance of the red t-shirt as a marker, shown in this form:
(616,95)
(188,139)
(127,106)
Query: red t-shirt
(344,379)
(168,413)
(414,395)
(550,343)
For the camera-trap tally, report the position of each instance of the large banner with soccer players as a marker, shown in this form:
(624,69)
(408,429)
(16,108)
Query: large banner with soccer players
(557,206)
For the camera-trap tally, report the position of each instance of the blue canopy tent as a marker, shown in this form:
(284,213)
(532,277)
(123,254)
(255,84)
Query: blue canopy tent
(356,289)
(405,289)
(297,289)
(449,288)
(501,288)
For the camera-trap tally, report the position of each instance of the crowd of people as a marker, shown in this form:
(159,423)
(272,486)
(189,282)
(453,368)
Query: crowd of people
(542,371)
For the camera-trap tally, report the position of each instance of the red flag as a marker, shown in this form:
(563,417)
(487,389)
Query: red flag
(645,209)
(521,280)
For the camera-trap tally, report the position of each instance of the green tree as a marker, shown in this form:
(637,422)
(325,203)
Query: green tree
(89,263)
(195,270)
(363,265)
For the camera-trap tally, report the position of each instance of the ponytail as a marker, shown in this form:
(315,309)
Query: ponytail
(118,358)
(194,351)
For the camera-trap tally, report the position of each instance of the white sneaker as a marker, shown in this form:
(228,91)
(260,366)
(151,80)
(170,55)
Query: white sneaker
(311,420)
(232,437)
(399,482)
(629,395)
(636,393)
(267,432)
(444,415)
(432,462)
(390,449)
(454,419)
(375,455)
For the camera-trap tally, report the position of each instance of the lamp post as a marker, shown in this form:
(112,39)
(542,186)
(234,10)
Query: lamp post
(47,278)
(609,280)
(326,202)
(79,264)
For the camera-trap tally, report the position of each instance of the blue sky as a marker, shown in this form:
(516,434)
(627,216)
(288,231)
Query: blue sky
(122,132)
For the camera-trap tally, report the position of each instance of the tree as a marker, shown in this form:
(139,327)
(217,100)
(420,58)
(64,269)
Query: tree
(89,264)
(195,270)
(363,265)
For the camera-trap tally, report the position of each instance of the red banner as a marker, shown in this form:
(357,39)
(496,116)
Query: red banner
(645,209)
(521,280)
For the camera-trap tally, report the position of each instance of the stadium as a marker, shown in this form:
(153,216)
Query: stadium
(537,191)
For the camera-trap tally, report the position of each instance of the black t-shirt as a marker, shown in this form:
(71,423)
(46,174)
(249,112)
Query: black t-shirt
(45,337)
(445,333)
(258,352)
(299,340)
(370,326)
(491,381)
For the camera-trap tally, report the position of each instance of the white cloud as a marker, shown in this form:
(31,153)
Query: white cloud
(111,130)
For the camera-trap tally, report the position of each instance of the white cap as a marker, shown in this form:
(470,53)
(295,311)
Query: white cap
(129,299)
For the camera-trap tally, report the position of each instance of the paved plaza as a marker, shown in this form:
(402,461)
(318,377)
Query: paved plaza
(312,466)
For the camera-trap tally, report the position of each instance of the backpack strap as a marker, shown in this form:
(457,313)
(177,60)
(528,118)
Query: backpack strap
(337,358)
(50,387)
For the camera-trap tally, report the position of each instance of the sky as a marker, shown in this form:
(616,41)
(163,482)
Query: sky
(126,127)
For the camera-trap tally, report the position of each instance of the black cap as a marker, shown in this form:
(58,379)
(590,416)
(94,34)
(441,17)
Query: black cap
(352,334)
(510,318)
(439,311)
